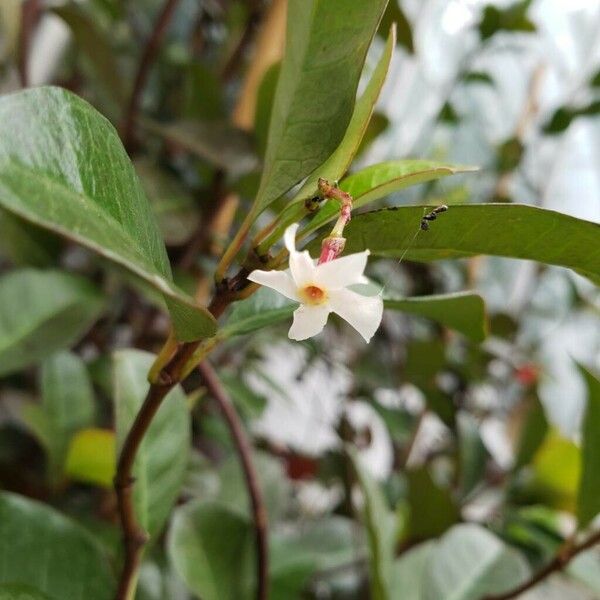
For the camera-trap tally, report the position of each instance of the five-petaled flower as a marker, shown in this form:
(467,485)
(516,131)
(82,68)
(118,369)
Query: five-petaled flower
(322,289)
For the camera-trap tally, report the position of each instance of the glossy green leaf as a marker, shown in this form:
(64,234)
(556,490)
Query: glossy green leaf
(161,461)
(316,89)
(42,548)
(210,547)
(588,502)
(67,405)
(408,571)
(41,312)
(432,509)
(512,230)
(469,563)
(91,457)
(337,164)
(21,592)
(383,179)
(463,311)
(380,523)
(63,167)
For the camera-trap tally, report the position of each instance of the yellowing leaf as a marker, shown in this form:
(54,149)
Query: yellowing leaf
(91,457)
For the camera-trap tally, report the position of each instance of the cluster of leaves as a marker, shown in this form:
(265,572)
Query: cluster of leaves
(101,241)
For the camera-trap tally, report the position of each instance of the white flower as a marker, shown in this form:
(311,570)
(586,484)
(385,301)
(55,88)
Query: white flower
(322,289)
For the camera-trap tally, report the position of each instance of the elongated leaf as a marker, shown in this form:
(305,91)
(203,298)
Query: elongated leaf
(512,230)
(326,44)
(62,167)
(162,458)
(469,563)
(39,547)
(67,406)
(464,311)
(337,164)
(383,179)
(41,312)
(218,142)
(210,547)
(588,503)
(380,523)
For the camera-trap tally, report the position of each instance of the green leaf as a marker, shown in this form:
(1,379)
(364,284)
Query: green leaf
(91,457)
(588,502)
(383,179)
(407,581)
(432,510)
(264,106)
(21,592)
(380,523)
(27,245)
(469,563)
(210,547)
(463,311)
(532,432)
(473,454)
(326,44)
(63,167)
(41,312)
(337,164)
(161,461)
(67,406)
(565,115)
(217,142)
(172,204)
(233,492)
(42,548)
(94,45)
(262,309)
(512,230)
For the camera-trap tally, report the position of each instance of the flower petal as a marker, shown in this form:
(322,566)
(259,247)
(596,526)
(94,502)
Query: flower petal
(364,313)
(289,237)
(342,272)
(280,281)
(302,268)
(308,321)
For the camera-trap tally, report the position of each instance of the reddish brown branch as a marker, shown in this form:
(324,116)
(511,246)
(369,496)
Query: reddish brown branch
(557,564)
(134,536)
(244,450)
(148,55)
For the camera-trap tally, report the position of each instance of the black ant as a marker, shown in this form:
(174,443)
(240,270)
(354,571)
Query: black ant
(432,216)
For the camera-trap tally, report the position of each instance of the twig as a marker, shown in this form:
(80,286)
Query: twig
(134,536)
(30,11)
(554,566)
(245,454)
(148,56)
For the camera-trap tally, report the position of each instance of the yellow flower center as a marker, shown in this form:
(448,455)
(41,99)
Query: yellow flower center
(312,294)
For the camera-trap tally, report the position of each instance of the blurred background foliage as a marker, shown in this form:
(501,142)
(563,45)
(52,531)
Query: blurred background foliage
(453,437)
